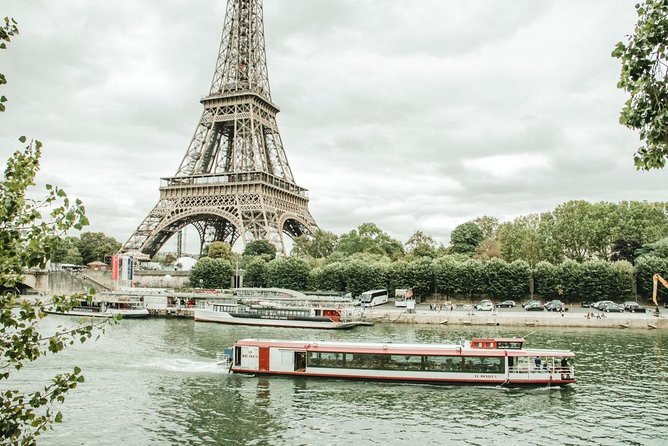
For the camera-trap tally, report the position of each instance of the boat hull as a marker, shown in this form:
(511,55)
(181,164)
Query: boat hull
(125,314)
(499,381)
(319,323)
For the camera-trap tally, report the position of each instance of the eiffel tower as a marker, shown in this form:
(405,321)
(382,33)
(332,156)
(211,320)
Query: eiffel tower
(234,180)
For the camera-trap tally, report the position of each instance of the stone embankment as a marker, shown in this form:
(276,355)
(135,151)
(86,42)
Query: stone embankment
(518,318)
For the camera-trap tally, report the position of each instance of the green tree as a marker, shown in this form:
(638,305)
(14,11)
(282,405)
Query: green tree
(646,267)
(420,275)
(488,249)
(30,232)
(220,250)
(97,246)
(211,273)
(506,280)
(421,245)
(469,278)
(656,249)
(370,239)
(570,281)
(260,248)
(255,273)
(330,277)
(363,274)
(320,245)
(290,272)
(644,61)
(547,282)
(445,275)
(465,238)
(488,225)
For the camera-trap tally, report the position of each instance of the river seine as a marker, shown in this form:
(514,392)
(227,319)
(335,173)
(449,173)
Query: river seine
(157,382)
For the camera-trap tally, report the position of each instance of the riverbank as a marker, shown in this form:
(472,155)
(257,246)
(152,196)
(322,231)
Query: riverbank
(516,318)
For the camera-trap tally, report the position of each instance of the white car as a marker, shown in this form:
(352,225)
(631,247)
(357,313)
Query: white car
(484,305)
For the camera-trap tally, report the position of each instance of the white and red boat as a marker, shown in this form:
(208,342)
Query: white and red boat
(481,361)
(273,315)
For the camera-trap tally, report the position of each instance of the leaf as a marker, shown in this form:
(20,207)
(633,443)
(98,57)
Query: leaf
(58,418)
(22,139)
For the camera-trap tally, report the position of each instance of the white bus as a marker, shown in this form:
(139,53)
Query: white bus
(374,297)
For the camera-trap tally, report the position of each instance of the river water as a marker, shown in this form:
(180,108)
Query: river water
(156,382)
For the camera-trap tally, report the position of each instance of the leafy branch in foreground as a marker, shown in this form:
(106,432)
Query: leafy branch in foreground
(30,230)
(644,68)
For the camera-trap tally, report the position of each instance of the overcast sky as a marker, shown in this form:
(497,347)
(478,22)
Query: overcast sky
(414,115)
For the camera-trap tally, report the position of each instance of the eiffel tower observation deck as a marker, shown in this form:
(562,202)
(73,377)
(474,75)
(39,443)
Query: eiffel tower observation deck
(234,181)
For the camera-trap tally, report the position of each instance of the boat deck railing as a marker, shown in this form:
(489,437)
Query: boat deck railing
(540,369)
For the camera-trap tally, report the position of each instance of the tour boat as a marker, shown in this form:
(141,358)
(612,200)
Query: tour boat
(480,361)
(104,309)
(275,315)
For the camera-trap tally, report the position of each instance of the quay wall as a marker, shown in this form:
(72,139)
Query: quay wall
(518,319)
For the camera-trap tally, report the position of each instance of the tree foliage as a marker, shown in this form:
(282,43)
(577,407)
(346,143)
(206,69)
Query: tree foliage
(289,272)
(97,246)
(211,273)
(421,245)
(260,248)
(465,238)
(321,245)
(644,61)
(255,273)
(369,239)
(220,250)
(30,231)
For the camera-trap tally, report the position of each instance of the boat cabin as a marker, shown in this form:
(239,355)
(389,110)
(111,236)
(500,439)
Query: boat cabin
(501,343)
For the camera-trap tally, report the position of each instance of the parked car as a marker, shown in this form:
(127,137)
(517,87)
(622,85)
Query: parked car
(634,307)
(484,305)
(534,306)
(554,305)
(600,303)
(586,304)
(506,304)
(611,307)
(531,302)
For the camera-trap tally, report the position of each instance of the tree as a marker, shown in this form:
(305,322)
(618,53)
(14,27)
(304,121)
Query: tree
(220,250)
(320,245)
(465,238)
(255,273)
(644,61)
(488,249)
(97,246)
(211,273)
(421,245)
(291,273)
(259,248)
(370,239)
(28,239)
(488,225)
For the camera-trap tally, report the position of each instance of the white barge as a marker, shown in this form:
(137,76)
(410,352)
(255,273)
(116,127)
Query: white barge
(481,361)
(271,315)
(104,309)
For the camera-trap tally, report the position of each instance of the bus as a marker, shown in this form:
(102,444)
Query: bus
(374,297)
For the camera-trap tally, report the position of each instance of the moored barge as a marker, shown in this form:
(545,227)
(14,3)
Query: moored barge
(269,315)
(481,361)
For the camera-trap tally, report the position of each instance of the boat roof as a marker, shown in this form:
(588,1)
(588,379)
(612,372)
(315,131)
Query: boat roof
(399,349)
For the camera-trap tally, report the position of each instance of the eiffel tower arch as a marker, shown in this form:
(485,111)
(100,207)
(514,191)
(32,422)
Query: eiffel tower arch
(234,181)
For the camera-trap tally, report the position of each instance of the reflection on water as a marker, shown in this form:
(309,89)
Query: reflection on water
(158,382)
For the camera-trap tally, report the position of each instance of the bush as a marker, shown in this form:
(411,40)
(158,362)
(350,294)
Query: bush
(211,273)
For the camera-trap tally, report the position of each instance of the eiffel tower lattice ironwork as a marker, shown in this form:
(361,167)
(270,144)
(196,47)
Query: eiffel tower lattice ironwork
(234,180)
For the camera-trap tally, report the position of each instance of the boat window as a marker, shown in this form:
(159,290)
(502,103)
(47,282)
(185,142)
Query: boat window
(324,359)
(237,356)
(510,345)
